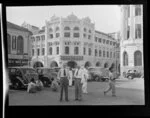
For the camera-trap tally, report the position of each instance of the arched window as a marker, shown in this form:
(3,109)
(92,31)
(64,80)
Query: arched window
(76,28)
(66,50)
(9,43)
(76,50)
(67,28)
(50,30)
(20,45)
(125,59)
(50,50)
(137,58)
(57,29)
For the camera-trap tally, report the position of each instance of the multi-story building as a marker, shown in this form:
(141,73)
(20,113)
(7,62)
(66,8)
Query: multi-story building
(131,38)
(18,45)
(73,41)
(31,28)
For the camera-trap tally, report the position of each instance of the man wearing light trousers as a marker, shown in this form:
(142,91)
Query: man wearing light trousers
(78,83)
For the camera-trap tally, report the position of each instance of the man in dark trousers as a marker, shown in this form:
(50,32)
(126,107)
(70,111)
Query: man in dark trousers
(63,75)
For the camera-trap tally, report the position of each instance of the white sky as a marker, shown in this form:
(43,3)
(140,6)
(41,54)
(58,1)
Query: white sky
(105,17)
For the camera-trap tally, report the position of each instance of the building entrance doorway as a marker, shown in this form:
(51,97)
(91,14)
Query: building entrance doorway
(37,64)
(72,64)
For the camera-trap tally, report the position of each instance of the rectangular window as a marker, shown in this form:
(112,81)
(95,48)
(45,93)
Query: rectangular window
(76,50)
(84,35)
(43,51)
(57,50)
(32,52)
(107,54)
(110,42)
(128,32)
(89,36)
(137,31)
(51,36)
(57,35)
(95,39)
(84,51)
(129,11)
(67,34)
(137,10)
(38,51)
(76,35)
(103,53)
(103,41)
(100,40)
(13,42)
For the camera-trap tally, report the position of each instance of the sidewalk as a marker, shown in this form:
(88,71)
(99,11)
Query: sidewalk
(136,83)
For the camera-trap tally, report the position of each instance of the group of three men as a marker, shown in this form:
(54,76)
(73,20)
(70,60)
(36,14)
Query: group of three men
(80,80)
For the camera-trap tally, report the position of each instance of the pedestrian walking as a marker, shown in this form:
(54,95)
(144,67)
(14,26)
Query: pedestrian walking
(111,83)
(70,76)
(63,75)
(85,78)
(78,83)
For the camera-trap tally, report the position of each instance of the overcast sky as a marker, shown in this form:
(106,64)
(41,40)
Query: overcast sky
(105,17)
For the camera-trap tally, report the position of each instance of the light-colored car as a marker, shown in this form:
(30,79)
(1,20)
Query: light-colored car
(98,74)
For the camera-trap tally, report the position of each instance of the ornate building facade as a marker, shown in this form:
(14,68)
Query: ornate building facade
(18,45)
(131,38)
(73,41)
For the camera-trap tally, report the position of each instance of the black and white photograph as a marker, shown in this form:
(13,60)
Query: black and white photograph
(75,55)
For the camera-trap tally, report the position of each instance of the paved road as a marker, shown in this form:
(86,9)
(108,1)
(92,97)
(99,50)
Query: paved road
(126,95)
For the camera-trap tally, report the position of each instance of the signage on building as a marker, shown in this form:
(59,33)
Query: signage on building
(17,62)
(12,56)
(76,58)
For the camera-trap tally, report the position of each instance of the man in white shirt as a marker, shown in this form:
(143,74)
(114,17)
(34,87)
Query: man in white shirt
(63,75)
(111,83)
(85,77)
(78,83)
(70,76)
(31,86)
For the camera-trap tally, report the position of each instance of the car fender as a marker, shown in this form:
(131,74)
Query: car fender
(18,78)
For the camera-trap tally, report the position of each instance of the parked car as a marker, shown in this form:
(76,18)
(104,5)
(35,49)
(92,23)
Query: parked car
(46,75)
(98,74)
(19,77)
(131,74)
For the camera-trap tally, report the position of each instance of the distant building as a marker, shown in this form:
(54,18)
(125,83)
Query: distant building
(131,38)
(18,45)
(75,42)
(31,28)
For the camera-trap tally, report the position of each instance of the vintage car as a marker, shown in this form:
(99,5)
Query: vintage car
(46,75)
(98,74)
(19,77)
(131,74)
